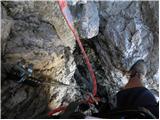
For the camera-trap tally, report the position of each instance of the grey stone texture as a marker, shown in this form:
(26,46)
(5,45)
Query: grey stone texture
(115,35)
(33,37)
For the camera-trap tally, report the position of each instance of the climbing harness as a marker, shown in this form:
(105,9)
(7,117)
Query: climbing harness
(69,20)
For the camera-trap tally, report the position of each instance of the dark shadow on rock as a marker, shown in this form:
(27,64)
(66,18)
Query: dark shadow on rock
(22,100)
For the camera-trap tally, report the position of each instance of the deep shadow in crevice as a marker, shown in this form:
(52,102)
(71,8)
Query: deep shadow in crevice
(22,100)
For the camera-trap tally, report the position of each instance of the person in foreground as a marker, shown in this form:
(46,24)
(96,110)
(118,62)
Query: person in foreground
(135,94)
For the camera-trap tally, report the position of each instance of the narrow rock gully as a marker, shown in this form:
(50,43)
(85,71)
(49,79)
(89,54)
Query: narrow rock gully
(114,34)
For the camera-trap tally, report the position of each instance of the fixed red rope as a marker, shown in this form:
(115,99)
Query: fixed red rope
(59,109)
(68,18)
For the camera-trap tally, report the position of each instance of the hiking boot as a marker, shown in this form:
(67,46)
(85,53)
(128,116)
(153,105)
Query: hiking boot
(138,67)
(137,73)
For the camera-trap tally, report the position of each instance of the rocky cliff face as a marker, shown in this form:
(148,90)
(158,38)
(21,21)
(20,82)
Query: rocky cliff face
(114,34)
(44,40)
(128,31)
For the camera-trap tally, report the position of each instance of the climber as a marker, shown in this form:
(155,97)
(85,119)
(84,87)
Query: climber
(133,101)
(134,97)
(134,93)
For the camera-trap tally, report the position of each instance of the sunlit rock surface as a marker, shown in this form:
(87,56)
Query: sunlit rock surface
(129,31)
(86,18)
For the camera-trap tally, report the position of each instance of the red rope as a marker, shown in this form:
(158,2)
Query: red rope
(63,6)
(59,109)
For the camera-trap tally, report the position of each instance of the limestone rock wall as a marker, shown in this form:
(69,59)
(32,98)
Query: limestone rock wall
(114,34)
(36,33)
(128,31)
